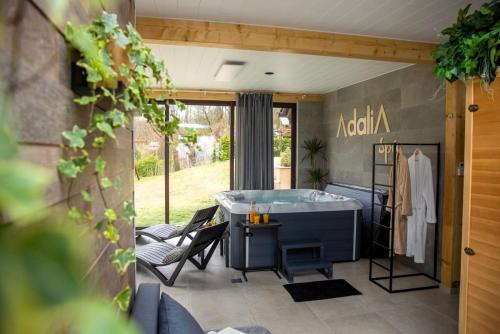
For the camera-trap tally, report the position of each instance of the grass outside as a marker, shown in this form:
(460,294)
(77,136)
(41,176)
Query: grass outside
(190,189)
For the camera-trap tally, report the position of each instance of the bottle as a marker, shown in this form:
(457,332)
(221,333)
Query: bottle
(251,214)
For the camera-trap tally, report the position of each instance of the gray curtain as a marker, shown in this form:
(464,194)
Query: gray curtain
(254,142)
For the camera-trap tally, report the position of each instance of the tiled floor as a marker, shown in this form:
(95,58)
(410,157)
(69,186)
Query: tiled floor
(216,303)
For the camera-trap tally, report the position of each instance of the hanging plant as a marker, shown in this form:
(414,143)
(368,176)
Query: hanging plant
(118,70)
(473,45)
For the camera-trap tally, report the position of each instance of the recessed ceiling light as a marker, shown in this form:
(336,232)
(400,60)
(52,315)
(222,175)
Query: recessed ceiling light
(269,73)
(229,70)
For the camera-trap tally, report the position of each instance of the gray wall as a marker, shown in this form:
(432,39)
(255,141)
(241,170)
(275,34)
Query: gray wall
(414,110)
(309,125)
(414,103)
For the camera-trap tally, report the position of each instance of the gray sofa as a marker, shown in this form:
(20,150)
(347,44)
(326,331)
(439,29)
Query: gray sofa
(161,314)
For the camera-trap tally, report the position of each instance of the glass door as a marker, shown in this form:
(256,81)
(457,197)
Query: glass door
(284,145)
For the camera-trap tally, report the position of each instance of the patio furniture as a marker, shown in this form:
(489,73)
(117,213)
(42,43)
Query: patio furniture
(271,229)
(160,254)
(162,232)
(156,316)
(303,255)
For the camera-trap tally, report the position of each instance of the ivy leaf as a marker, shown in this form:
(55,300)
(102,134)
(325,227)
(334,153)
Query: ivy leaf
(128,211)
(110,215)
(93,75)
(122,258)
(128,105)
(122,299)
(87,197)
(68,168)
(86,100)
(75,214)
(98,141)
(106,183)
(108,93)
(111,233)
(106,128)
(117,118)
(100,164)
(118,184)
(75,137)
(122,40)
(110,22)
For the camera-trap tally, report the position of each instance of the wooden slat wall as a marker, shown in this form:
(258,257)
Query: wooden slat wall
(44,108)
(480,281)
(453,185)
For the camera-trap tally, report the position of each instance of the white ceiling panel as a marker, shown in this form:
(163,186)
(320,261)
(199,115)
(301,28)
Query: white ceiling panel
(418,20)
(195,68)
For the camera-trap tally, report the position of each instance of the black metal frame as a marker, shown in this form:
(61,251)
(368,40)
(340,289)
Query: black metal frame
(197,245)
(390,247)
(274,225)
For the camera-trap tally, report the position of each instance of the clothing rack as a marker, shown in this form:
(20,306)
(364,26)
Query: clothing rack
(390,248)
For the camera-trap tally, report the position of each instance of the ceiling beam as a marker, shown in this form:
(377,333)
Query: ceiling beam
(213,95)
(259,38)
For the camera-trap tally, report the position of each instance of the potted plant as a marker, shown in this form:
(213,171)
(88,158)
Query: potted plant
(315,150)
(472,48)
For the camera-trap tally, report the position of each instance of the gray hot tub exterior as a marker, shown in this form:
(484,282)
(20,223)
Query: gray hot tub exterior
(338,230)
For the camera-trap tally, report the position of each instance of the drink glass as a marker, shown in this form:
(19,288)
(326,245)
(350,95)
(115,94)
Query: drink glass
(266,218)
(256,218)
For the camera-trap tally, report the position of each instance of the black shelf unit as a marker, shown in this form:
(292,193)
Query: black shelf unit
(389,248)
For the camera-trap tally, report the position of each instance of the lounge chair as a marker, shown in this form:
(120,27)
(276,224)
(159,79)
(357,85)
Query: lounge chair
(162,232)
(159,254)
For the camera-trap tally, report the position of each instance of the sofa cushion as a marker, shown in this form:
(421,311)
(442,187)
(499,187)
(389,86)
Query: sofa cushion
(175,319)
(145,308)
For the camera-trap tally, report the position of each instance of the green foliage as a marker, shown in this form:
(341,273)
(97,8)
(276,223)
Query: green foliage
(316,177)
(286,142)
(128,211)
(122,298)
(22,190)
(105,183)
(109,55)
(122,258)
(149,165)
(315,148)
(224,144)
(286,157)
(76,137)
(473,45)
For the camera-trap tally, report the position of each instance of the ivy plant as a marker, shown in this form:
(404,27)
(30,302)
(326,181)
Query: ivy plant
(472,48)
(119,69)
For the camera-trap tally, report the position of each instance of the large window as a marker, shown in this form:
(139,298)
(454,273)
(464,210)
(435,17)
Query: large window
(200,158)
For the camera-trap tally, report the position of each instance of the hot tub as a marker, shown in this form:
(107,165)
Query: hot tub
(304,213)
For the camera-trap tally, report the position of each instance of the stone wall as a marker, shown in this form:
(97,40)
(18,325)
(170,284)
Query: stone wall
(414,103)
(34,61)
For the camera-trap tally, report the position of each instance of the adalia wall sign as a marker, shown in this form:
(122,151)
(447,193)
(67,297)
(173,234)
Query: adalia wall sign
(366,125)
(369,124)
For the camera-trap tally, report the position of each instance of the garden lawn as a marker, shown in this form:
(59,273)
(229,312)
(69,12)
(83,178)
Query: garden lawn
(190,189)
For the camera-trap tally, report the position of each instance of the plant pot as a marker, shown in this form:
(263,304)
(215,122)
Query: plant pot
(79,82)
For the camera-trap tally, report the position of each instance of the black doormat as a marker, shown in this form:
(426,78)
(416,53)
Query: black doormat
(305,292)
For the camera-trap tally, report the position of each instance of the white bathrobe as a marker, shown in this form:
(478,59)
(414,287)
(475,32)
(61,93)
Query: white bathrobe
(423,205)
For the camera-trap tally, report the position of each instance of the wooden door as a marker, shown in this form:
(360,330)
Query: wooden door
(480,279)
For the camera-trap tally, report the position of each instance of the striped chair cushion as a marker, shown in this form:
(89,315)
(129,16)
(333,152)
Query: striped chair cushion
(165,231)
(160,253)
